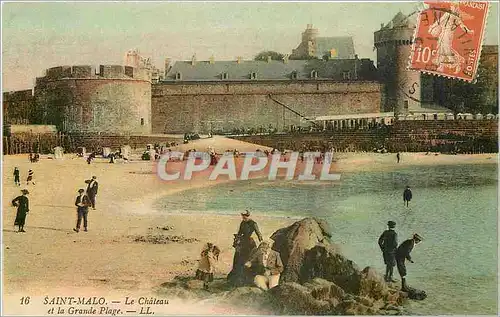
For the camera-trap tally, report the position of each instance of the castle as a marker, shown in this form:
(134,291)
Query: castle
(322,82)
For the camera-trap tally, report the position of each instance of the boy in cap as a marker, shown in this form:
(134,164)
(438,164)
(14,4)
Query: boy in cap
(403,254)
(22,204)
(82,204)
(388,243)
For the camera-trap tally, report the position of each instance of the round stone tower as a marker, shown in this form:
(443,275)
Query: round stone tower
(115,99)
(402,87)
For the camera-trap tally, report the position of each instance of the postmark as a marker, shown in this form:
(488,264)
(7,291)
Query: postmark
(448,38)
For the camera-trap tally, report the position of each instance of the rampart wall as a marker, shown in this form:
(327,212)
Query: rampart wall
(220,107)
(458,136)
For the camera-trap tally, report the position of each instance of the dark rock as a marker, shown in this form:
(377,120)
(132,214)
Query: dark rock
(294,241)
(295,299)
(416,294)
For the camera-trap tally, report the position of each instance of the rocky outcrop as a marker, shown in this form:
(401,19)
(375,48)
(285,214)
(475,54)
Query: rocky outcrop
(317,280)
(309,255)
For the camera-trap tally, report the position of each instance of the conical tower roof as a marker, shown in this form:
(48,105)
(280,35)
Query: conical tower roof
(402,21)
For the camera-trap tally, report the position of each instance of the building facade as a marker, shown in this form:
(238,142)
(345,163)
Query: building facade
(221,96)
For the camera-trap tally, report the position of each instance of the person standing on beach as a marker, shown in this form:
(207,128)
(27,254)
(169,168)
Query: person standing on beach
(403,254)
(398,157)
(22,204)
(17,180)
(407,195)
(82,204)
(388,243)
(92,188)
(206,266)
(30,178)
(244,244)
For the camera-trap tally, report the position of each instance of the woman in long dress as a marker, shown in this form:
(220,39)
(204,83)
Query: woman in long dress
(22,204)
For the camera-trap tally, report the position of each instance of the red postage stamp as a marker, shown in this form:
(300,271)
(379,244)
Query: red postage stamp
(449,37)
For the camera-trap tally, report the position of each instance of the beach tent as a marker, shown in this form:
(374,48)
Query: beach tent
(125,150)
(490,116)
(58,153)
(479,116)
(449,116)
(468,116)
(106,151)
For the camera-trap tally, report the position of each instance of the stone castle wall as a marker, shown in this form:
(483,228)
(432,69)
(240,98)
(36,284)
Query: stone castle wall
(115,100)
(221,107)
(18,107)
(461,136)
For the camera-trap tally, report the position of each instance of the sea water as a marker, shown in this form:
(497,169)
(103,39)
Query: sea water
(454,208)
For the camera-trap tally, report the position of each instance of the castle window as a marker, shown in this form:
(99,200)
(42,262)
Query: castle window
(142,121)
(225,75)
(314,74)
(178,76)
(346,75)
(253,75)
(294,74)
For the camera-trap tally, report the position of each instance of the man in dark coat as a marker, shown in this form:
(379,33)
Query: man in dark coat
(244,244)
(407,195)
(388,243)
(403,254)
(22,204)
(398,157)
(82,204)
(17,180)
(92,188)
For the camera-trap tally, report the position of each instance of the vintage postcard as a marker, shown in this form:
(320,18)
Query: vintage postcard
(449,37)
(249,158)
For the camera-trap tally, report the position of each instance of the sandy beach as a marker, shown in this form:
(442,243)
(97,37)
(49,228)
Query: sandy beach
(50,259)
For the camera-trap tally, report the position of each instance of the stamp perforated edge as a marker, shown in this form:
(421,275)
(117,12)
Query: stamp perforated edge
(438,74)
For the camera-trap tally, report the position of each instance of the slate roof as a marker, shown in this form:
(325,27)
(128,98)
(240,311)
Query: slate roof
(343,45)
(273,70)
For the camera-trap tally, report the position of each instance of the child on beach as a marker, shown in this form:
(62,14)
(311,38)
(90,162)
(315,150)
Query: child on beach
(206,266)
(30,178)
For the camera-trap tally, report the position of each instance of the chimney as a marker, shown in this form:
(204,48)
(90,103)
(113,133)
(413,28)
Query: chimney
(269,58)
(193,60)
(285,58)
(238,59)
(212,60)
(381,25)
(309,26)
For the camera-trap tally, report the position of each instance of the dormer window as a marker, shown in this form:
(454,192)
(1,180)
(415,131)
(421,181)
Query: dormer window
(346,75)
(314,74)
(178,76)
(224,76)
(253,75)
(294,74)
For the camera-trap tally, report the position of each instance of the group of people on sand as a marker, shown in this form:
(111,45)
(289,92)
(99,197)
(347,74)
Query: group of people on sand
(260,266)
(17,177)
(84,200)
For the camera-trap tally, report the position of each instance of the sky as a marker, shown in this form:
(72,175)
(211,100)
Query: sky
(37,36)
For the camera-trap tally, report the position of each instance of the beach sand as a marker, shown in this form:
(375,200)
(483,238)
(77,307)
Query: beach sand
(52,260)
